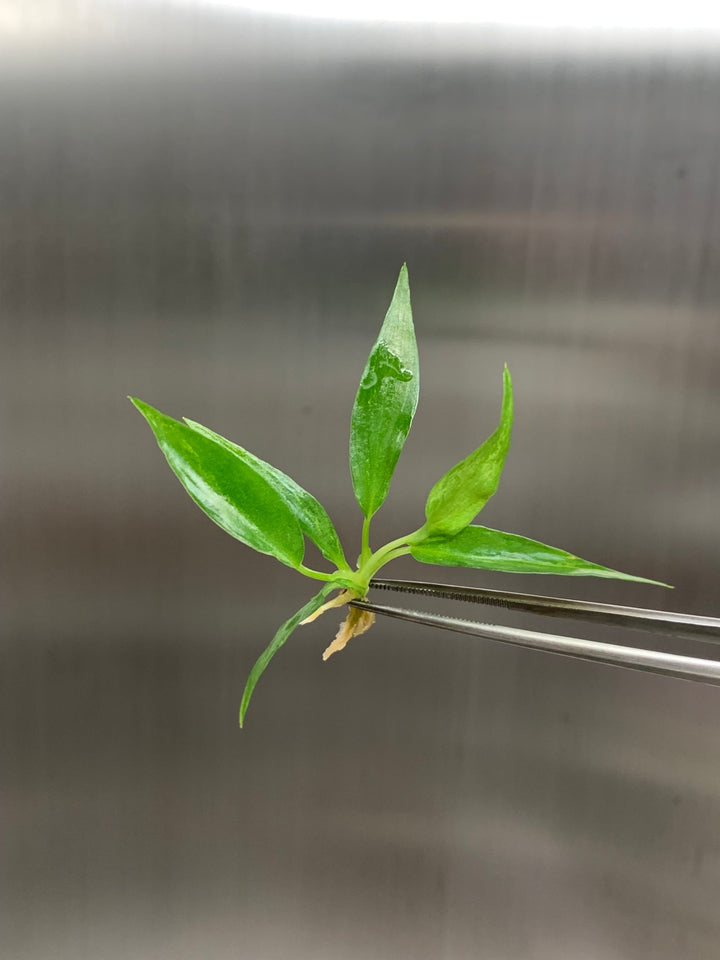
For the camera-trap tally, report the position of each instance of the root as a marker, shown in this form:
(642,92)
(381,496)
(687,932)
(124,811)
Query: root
(345,596)
(356,622)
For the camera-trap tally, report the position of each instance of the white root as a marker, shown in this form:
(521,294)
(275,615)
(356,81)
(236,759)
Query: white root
(356,622)
(338,601)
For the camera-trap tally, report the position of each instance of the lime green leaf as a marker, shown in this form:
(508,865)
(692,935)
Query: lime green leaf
(462,493)
(487,549)
(310,514)
(277,641)
(385,402)
(228,489)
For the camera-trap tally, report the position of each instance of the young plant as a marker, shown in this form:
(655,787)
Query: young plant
(264,508)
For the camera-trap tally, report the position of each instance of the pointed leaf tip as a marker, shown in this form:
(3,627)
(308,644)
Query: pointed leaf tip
(277,641)
(227,489)
(460,495)
(483,548)
(385,403)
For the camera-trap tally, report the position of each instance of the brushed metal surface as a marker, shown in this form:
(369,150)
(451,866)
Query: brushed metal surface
(208,210)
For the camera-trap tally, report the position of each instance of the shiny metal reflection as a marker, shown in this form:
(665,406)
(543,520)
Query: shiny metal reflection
(651,661)
(679,625)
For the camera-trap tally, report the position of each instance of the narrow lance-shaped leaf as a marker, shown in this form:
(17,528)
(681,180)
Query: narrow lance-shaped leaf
(461,494)
(487,549)
(277,641)
(228,489)
(310,514)
(385,402)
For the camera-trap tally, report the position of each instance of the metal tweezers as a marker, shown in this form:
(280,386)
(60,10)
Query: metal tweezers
(677,625)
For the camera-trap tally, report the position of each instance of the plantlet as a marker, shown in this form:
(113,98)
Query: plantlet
(260,505)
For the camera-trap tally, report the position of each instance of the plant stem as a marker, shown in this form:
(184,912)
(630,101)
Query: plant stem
(371,563)
(397,552)
(390,547)
(315,574)
(365,551)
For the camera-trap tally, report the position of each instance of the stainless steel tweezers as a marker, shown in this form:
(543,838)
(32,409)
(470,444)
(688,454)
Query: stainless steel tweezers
(677,625)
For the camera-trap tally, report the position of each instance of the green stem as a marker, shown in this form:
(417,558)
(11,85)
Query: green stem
(407,540)
(315,574)
(372,563)
(365,551)
(380,561)
(397,552)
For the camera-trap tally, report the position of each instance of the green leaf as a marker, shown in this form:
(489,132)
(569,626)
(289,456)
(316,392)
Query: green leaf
(228,489)
(277,641)
(487,549)
(385,402)
(309,513)
(461,494)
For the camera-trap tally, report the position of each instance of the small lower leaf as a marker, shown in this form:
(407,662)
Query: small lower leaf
(487,549)
(277,641)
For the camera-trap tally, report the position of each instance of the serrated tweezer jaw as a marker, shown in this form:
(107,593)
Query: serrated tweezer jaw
(652,661)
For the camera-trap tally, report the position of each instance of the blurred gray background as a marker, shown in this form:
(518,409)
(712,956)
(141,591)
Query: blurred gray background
(208,209)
